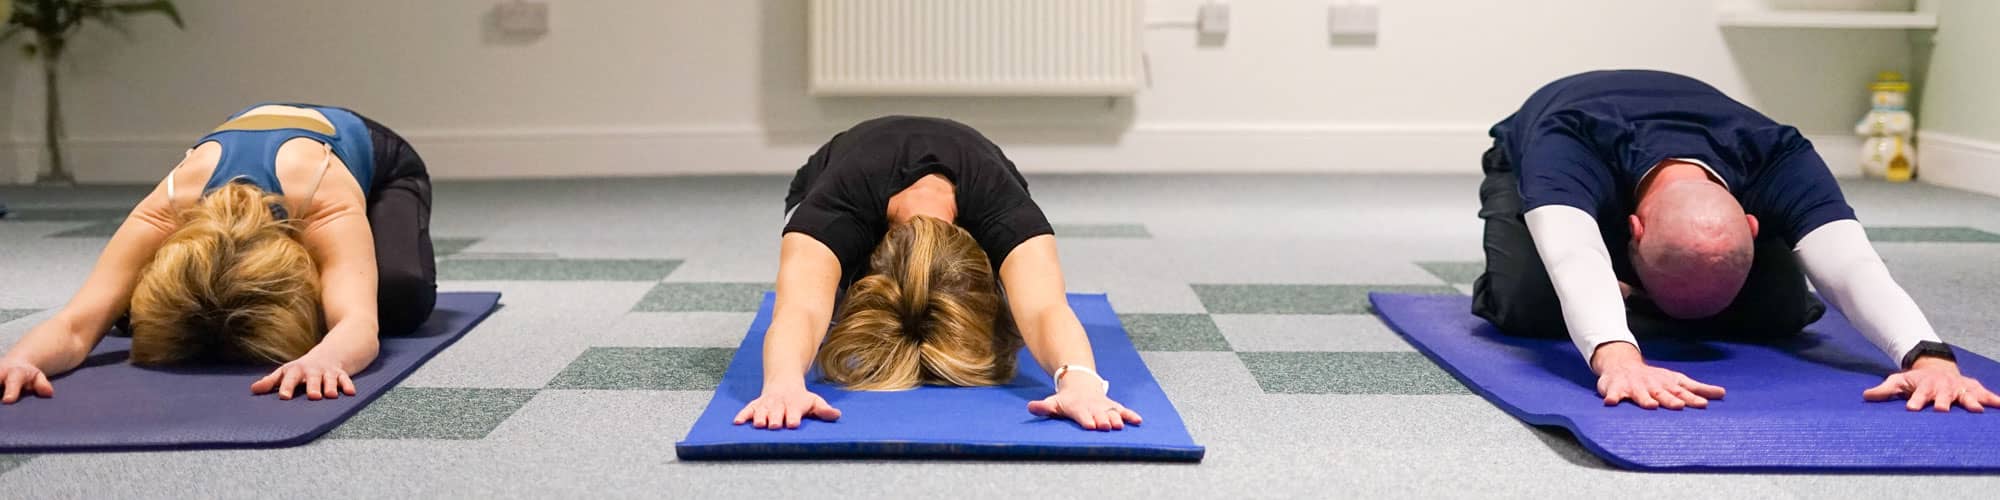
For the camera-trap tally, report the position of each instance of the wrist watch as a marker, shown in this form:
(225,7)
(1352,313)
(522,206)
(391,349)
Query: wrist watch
(1929,348)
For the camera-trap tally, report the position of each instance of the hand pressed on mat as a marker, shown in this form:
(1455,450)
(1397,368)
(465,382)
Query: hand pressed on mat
(1622,374)
(1085,402)
(20,377)
(322,376)
(784,407)
(1936,383)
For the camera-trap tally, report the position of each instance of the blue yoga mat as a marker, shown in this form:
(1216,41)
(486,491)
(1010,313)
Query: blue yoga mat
(111,405)
(949,422)
(1793,405)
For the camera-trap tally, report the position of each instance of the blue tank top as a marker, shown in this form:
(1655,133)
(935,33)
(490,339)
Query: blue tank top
(250,145)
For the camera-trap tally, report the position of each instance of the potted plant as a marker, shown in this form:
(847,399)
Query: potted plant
(52,23)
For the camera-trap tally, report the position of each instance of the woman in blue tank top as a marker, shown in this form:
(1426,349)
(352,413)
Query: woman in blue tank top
(292,234)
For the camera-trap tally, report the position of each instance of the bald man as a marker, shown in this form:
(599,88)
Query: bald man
(1653,194)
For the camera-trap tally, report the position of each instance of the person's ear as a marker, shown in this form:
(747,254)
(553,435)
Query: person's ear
(1638,229)
(1753,225)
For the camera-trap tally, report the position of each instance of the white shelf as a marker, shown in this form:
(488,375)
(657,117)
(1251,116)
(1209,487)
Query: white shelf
(1828,19)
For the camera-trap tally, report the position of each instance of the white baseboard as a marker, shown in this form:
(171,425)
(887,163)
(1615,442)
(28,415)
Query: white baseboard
(1959,162)
(1146,148)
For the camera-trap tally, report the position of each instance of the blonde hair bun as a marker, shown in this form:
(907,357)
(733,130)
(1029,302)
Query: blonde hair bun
(929,312)
(232,283)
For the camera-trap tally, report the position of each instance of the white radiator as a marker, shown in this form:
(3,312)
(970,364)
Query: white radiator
(976,47)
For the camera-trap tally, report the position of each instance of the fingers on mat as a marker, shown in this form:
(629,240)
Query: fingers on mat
(1667,399)
(13,383)
(314,382)
(1919,396)
(1131,417)
(1887,390)
(1645,399)
(1970,400)
(792,417)
(42,386)
(826,412)
(288,383)
(1615,395)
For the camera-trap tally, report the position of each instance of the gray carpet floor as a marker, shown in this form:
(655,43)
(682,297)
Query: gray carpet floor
(626,297)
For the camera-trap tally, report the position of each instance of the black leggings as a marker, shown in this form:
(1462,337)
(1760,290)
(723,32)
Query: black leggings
(399,212)
(1515,292)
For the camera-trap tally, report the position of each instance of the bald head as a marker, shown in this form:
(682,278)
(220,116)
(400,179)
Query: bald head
(1692,246)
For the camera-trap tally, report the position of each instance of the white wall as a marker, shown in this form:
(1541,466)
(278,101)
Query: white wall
(1964,83)
(12,166)
(1959,129)
(640,87)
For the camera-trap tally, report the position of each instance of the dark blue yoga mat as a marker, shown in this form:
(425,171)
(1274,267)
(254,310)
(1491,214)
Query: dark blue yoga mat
(949,422)
(1794,405)
(110,405)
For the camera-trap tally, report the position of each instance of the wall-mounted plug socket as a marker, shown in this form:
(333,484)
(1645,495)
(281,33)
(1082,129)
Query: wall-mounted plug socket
(1214,19)
(1354,19)
(522,17)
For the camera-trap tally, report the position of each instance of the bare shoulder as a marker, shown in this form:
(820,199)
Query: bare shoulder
(314,178)
(192,173)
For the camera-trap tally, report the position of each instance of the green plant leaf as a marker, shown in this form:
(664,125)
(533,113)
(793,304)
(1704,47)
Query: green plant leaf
(40,16)
(165,7)
(68,15)
(93,10)
(20,18)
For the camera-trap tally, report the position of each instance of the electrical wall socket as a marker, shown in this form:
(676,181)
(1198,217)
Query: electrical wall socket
(521,17)
(1213,20)
(1354,19)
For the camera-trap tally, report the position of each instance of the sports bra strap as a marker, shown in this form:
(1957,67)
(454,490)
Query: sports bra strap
(324,165)
(171,173)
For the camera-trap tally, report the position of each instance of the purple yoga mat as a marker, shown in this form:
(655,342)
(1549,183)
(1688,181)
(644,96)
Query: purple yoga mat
(110,405)
(1794,405)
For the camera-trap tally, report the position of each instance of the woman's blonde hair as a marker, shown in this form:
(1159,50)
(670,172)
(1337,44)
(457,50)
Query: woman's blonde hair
(233,283)
(929,312)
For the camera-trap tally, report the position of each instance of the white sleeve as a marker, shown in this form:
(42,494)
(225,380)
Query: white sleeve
(1580,268)
(1845,269)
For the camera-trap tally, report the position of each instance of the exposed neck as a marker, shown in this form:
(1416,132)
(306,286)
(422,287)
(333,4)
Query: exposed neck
(932,196)
(1672,172)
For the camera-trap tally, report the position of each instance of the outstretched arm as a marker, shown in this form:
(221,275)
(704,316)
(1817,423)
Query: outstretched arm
(1580,269)
(1039,303)
(808,279)
(342,245)
(60,344)
(1845,268)
(1579,266)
